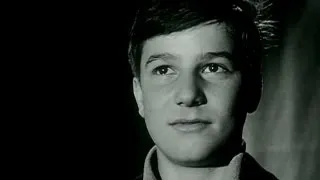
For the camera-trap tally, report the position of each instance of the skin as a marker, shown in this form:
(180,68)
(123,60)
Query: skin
(190,75)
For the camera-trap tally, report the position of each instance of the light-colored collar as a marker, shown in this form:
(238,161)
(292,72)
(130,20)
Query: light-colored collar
(148,171)
(232,171)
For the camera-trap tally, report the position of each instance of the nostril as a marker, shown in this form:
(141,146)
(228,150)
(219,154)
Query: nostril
(189,92)
(191,99)
(201,100)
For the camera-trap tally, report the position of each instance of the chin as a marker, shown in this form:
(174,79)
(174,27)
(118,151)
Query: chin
(197,154)
(194,158)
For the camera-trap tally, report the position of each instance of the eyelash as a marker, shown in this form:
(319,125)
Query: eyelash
(157,69)
(225,70)
(217,66)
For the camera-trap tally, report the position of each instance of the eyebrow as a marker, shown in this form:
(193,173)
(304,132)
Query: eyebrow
(203,57)
(163,56)
(213,55)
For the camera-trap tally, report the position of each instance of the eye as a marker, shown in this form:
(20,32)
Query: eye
(163,70)
(213,68)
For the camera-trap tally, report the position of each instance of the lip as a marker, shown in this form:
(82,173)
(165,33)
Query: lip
(185,125)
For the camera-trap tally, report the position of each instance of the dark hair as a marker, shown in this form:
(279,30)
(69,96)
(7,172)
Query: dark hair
(160,17)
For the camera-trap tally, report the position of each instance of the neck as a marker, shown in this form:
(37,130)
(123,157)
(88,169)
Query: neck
(217,168)
(170,171)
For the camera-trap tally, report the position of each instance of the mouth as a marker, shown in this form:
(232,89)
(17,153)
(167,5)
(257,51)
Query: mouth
(194,125)
(189,122)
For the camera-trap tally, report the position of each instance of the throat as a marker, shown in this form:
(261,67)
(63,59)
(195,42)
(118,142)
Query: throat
(187,173)
(224,165)
(168,170)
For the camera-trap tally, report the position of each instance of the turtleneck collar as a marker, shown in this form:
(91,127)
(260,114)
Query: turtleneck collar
(232,171)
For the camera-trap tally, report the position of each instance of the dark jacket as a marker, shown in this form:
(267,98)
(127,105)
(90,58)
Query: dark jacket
(251,169)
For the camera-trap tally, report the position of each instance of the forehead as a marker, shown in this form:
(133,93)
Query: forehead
(197,40)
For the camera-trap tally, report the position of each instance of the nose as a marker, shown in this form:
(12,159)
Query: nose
(189,92)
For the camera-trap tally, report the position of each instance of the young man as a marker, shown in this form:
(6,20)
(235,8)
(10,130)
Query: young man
(196,68)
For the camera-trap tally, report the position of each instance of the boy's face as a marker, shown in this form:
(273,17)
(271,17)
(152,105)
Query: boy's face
(188,92)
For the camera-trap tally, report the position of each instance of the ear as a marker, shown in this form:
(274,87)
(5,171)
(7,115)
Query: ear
(137,91)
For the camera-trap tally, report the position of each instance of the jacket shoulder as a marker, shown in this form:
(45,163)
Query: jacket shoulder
(251,169)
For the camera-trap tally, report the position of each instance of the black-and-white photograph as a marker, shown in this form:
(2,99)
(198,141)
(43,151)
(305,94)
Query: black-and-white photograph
(173,90)
(225,89)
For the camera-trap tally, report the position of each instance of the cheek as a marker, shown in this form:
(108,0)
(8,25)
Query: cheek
(156,102)
(156,94)
(157,114)
(223,96)
(221,108)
